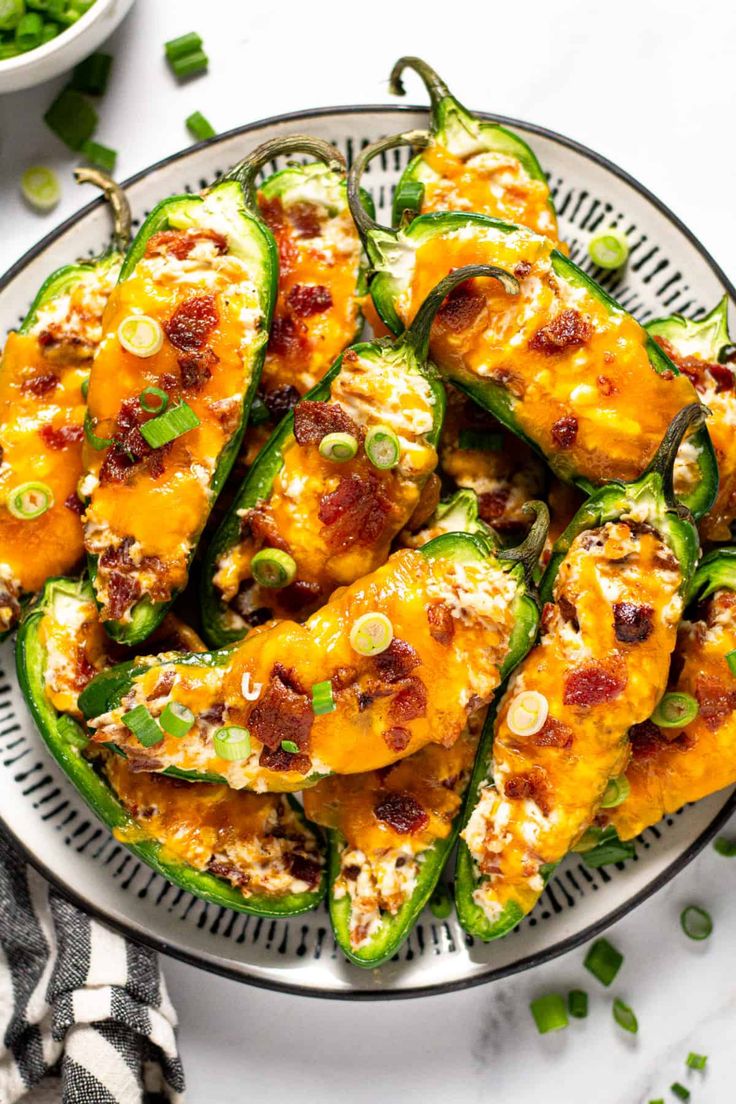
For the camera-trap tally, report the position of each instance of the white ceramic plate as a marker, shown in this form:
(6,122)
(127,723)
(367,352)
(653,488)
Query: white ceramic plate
(668,271)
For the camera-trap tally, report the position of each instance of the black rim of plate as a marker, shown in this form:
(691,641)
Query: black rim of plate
(492,974)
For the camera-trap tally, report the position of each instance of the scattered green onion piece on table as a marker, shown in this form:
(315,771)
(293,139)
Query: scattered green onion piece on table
(185,44)
(338,447)
(11,13)
(609,249)
(72,118)
(40,187)
(92,74)
(71,732)
(95,442)
(143,726)
(28,32)
(273,568)
(577,1003)
(725,847)
(680,1091)
(232,743)
(603,961)
(371,634)
(675,711)
(617,790)
(199,127)
(140,335)
(696,1061)
(190,64)
(166,427)
(731,661)
(440,903)
(176,719)
(323,700)
(102,156)
(549,1013)
(696,922)
(153,400)
(382,447)
(476,439)
(290,746)
(624,1016)
(28,501)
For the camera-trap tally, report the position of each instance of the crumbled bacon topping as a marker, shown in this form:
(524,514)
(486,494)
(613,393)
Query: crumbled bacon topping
(288,338)
(306,217)
(41,384)
(402,812)
(632,623)
(58,437)
(314,420)
(355,512)
(565,431)
(553,733)
(192,322)
(441,623)
(280,400)
(410,702)
(592,685)
(195,368)
(397,738)
(180,243)
(492,504)
(715,700)
(398,660)
(568,330)
(73,503)
(304,869)
(283,712)
(460,309)
(530,785)
(129,447)
(646,739)
(308,299)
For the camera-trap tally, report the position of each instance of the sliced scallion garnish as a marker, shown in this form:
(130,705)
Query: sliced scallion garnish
(104,157)
(28,32)
(609,249)
(549,1013)
(92,74)
(185,44)
(71,732)
(603,961)
(153,400)
(696,1061)
(577,1003)
(166,427)
(725,847)
(199,127)
(323,700)
(617,790)
(232,743)
(141,335)
(624,1016)
(72,118)
(680,1091)
(40,188)
(95,442)
(338,447)
(696,922)
(176,719)
(731,661)
(371,634)
(273,568)
(527,713)
(29,500)
(143,726)
(675,710)
(290,746)
(382,447)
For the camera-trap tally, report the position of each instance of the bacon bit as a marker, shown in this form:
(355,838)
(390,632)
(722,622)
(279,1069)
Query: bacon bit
(461,308)
(351,873)
(308,299)
(344,677)
(180,243)
(553,733)
(530,785)
(280,400)
(441,623)
(397,738)
(522,270)
(282,713)
(288,338)
(410,702)
(58,437)
(163,685)
(73,503)
(84,671)
(122,592)
(306,218)
(568,612)
(606,386)
(491,504)
(41,384)
(118,556)
(567,331)
(398,660)
(695,369)
(723,377)
(192,322)
(565,431)
(300,597)
(196,367)
(129,446)
(276,759)
(304,869)
(228,870)
(402,812)
(272,212)
(716,701)
(355,512)
(632,623)
(646,740)
(214,715)
(59,344)
(314,420)
(592,685)
(258,526)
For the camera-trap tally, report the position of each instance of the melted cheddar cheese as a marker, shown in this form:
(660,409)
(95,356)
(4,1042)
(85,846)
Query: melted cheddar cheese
(601,665)
(452,623)
(672,766)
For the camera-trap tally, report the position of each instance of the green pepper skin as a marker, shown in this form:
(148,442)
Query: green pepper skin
(707,338)
(100,796)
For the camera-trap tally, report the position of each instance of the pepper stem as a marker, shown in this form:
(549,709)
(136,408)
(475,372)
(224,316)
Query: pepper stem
(528,552)
(663,462)
(417,335)
(245,171)
(434,84)
(366,225)
(117,199)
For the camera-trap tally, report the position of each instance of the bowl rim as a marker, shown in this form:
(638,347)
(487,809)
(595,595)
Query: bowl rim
(554,950)
(55,45)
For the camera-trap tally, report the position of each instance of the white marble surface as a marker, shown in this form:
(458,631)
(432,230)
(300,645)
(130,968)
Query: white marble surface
(650,85)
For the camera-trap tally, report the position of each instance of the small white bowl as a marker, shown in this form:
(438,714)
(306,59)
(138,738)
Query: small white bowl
(63,52)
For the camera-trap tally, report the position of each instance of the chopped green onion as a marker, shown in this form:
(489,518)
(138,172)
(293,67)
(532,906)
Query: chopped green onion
(696,1061)
(232,743)
(72,118)
(659,1101)
(323,700)
(382,447)
(476,439)
(92,74)
(338,447)
(173,423)
(102,156)
(675,711)
(731,661)
(371,634)
(680,1091)
(8,50)
(440,903)
(617,790)
(624,1016)
(603,961)
(610,249)
(40,188)
(408,199)
(199,127)
(141,335)
(290,746)
(549,1013)
(143,726)
(176,719)
(577,1003)
(183,45)
(84,387)
(11,13)
(273,568)
(161,400)
(29,500)
(259,412)
(49,31)
(725,847)
(71,732)
(28,32)
(97,443)
(190,64)
(696,922)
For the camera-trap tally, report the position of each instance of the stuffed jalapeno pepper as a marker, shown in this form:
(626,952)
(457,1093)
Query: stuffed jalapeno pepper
(185,333)
(340,478)
(250,852)
(43,373)
(470,164)
(395,661)
(560,364)
(704,352)
(613,592)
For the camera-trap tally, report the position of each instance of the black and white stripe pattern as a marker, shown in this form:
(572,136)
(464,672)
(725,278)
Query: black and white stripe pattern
(78,1001)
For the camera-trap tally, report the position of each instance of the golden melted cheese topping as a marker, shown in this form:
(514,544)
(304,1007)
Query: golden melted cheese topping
(601,666)
(76,647)
(672,766)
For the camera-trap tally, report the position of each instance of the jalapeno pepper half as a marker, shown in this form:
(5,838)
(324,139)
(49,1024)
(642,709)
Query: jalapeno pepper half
(45,366)
(614,591)
(393,662)
(249,852)
(325,493)
(561,364)
(470,164)
(457,514)
(171,387)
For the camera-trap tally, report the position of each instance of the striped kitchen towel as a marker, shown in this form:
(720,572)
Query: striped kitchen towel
(78,1002)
